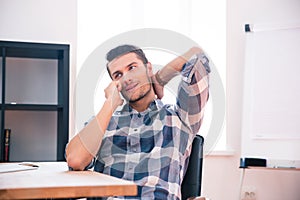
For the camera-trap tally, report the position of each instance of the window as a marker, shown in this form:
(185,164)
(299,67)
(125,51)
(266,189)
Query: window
(202,21)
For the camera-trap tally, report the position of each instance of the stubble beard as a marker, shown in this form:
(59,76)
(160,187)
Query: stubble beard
(142,93)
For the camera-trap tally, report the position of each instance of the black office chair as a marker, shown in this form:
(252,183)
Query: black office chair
(191,184)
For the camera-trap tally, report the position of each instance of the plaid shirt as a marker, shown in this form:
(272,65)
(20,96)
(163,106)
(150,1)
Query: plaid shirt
(151,148)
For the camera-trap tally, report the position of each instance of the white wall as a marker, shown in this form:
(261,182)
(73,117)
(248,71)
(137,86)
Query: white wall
(52,21)
(221,176)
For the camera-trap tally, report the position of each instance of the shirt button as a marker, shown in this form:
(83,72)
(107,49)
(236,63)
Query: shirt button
(130,166)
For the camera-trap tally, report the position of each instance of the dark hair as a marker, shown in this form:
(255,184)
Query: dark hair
(125,49)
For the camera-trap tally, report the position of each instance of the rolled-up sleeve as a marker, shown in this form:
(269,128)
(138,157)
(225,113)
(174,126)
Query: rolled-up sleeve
(193,91)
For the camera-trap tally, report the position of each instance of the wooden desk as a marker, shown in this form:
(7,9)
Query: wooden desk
(53,180)
(274,168)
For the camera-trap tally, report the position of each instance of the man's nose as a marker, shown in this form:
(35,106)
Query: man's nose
(127,78)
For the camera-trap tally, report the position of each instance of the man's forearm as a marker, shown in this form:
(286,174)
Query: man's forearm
(173,68)
(85,145)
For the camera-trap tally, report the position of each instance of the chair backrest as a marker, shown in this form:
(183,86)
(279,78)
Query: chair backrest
(191,184)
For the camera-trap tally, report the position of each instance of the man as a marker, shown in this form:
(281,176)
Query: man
(146,142)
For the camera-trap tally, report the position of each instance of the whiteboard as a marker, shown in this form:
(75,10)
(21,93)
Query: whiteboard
(271,110)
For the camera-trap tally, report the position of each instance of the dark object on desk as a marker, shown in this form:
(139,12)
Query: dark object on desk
(247,28)
(258,162)
(191,185)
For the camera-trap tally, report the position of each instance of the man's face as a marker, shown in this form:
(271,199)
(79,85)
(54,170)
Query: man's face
(133,76)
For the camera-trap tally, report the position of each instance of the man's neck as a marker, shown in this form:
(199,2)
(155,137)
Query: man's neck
(143,103)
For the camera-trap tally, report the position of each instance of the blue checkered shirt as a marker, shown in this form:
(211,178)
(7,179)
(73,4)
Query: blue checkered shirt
(151,148)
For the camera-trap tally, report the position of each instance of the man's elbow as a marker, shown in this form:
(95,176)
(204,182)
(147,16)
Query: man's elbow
(76,155)
(75,163)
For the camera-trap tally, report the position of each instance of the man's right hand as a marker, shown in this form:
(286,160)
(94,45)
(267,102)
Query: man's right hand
(112,94)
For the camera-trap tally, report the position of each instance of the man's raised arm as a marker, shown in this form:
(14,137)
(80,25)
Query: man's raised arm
(173,68)
(193,91)
(84,146)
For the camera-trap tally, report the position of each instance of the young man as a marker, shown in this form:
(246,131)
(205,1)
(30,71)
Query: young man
(146,142)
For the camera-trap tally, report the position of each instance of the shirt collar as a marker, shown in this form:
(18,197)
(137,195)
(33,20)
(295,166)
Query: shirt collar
(153,106)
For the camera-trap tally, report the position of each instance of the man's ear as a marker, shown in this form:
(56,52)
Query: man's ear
(149,69)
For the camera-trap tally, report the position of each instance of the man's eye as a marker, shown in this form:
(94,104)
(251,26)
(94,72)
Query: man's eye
(117,76)
(131,67)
